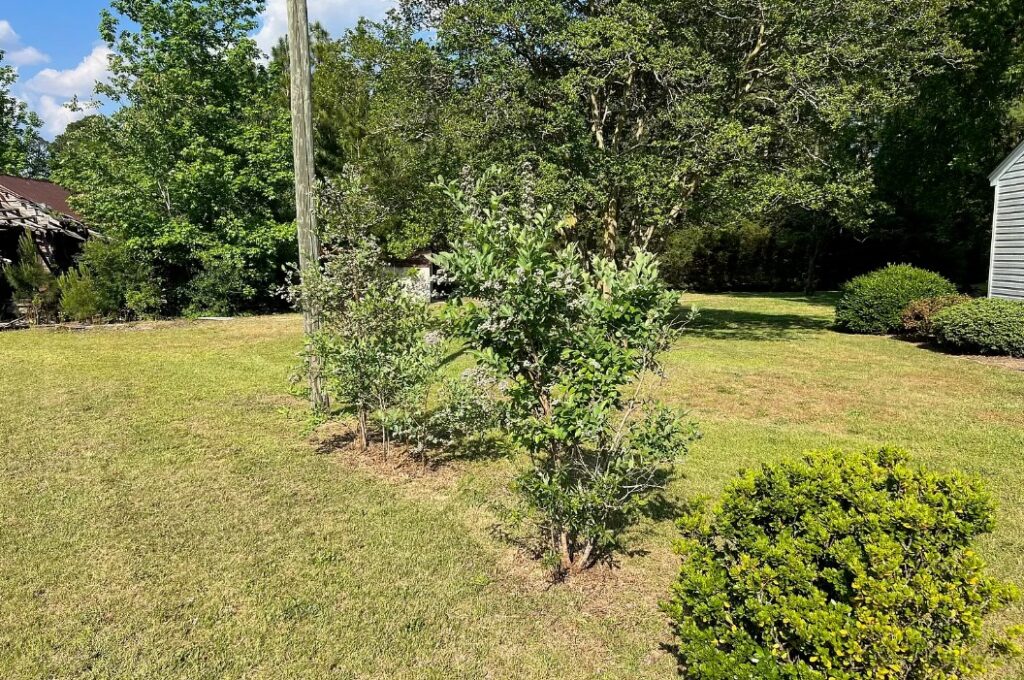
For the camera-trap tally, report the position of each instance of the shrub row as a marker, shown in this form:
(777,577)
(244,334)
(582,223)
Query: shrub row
(109,282)
(922,304)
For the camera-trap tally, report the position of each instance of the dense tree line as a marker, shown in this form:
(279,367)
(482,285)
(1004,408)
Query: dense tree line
(754,144)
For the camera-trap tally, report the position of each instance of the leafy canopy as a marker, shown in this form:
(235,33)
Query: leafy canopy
(195,167)
(22,150)
(643,117)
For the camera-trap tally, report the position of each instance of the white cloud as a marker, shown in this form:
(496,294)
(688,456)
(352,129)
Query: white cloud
(57,115)
(16,53)
(79,80)
(7,34)
(51,90)
(27,56)
(336,15)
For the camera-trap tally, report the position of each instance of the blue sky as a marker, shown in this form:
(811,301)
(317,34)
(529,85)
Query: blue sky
(55,46)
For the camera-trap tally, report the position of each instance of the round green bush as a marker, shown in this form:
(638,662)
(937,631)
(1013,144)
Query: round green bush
(985,325)
(874,303)
(838,566)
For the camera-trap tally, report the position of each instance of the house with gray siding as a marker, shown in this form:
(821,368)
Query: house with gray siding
(1006,268)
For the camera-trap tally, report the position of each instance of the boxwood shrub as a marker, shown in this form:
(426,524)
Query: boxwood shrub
(986,325)
(919,314)
(874,303)
(838,566)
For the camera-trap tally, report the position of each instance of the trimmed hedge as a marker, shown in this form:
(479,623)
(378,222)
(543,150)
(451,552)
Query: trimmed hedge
(874,303)
(838,566)
(985,325)
(919,314)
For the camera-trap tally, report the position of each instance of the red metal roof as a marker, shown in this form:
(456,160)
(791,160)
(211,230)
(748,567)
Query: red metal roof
(40,191)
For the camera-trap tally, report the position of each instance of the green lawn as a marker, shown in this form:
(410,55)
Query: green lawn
(162,513)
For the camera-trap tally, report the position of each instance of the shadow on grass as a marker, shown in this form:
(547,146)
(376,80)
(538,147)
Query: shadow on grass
(487,447)
(731,324)
(978,356)
(829,298)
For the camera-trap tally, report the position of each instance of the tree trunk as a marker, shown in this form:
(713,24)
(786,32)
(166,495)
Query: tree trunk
(364,437)
(611,228)
(572,562)
(812,263)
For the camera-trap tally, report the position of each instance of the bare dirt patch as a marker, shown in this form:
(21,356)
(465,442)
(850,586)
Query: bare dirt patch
(341,439)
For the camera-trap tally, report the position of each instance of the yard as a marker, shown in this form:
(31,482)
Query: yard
(164,513)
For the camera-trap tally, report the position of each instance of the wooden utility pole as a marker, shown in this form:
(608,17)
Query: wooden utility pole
(302,145)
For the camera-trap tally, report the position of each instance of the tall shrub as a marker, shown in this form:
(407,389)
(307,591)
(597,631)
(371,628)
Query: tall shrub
(34,286)
(377,354)
(874,303)
(840,566)
(574,338)
(78,298)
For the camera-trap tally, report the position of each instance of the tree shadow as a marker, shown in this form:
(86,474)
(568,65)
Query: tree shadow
(992,359)
(731,324)
(829,298)
(484,447)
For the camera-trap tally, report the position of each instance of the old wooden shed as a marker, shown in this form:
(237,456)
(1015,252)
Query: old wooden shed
(40,208)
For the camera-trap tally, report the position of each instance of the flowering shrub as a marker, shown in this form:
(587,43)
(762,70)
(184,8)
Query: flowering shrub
(838,566)
(467,409)
(574,339)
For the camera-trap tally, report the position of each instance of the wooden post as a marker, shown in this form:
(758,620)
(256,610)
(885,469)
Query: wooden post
(302,145)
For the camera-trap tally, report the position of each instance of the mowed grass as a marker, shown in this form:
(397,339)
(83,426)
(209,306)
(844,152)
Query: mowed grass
(163,514)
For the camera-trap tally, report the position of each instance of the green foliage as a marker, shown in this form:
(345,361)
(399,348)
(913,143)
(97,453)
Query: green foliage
(874,302)
(746,256)
(838,566)
(919,315)
(574,340)
(79,298)
(194,167)
(466,411)
(986,325)
(939,192)
(123,279)
(22,150)
(32,283)
(380,108)
(641,117)
(374,347)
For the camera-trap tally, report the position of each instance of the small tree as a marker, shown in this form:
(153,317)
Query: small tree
(78,297)
(378,359)
(33,284)
(574,339)
(376,352)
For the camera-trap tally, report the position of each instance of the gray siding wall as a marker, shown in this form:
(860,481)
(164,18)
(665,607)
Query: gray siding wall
(1007,273)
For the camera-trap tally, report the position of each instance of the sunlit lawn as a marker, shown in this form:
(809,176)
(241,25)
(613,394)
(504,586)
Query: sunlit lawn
(163,513)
